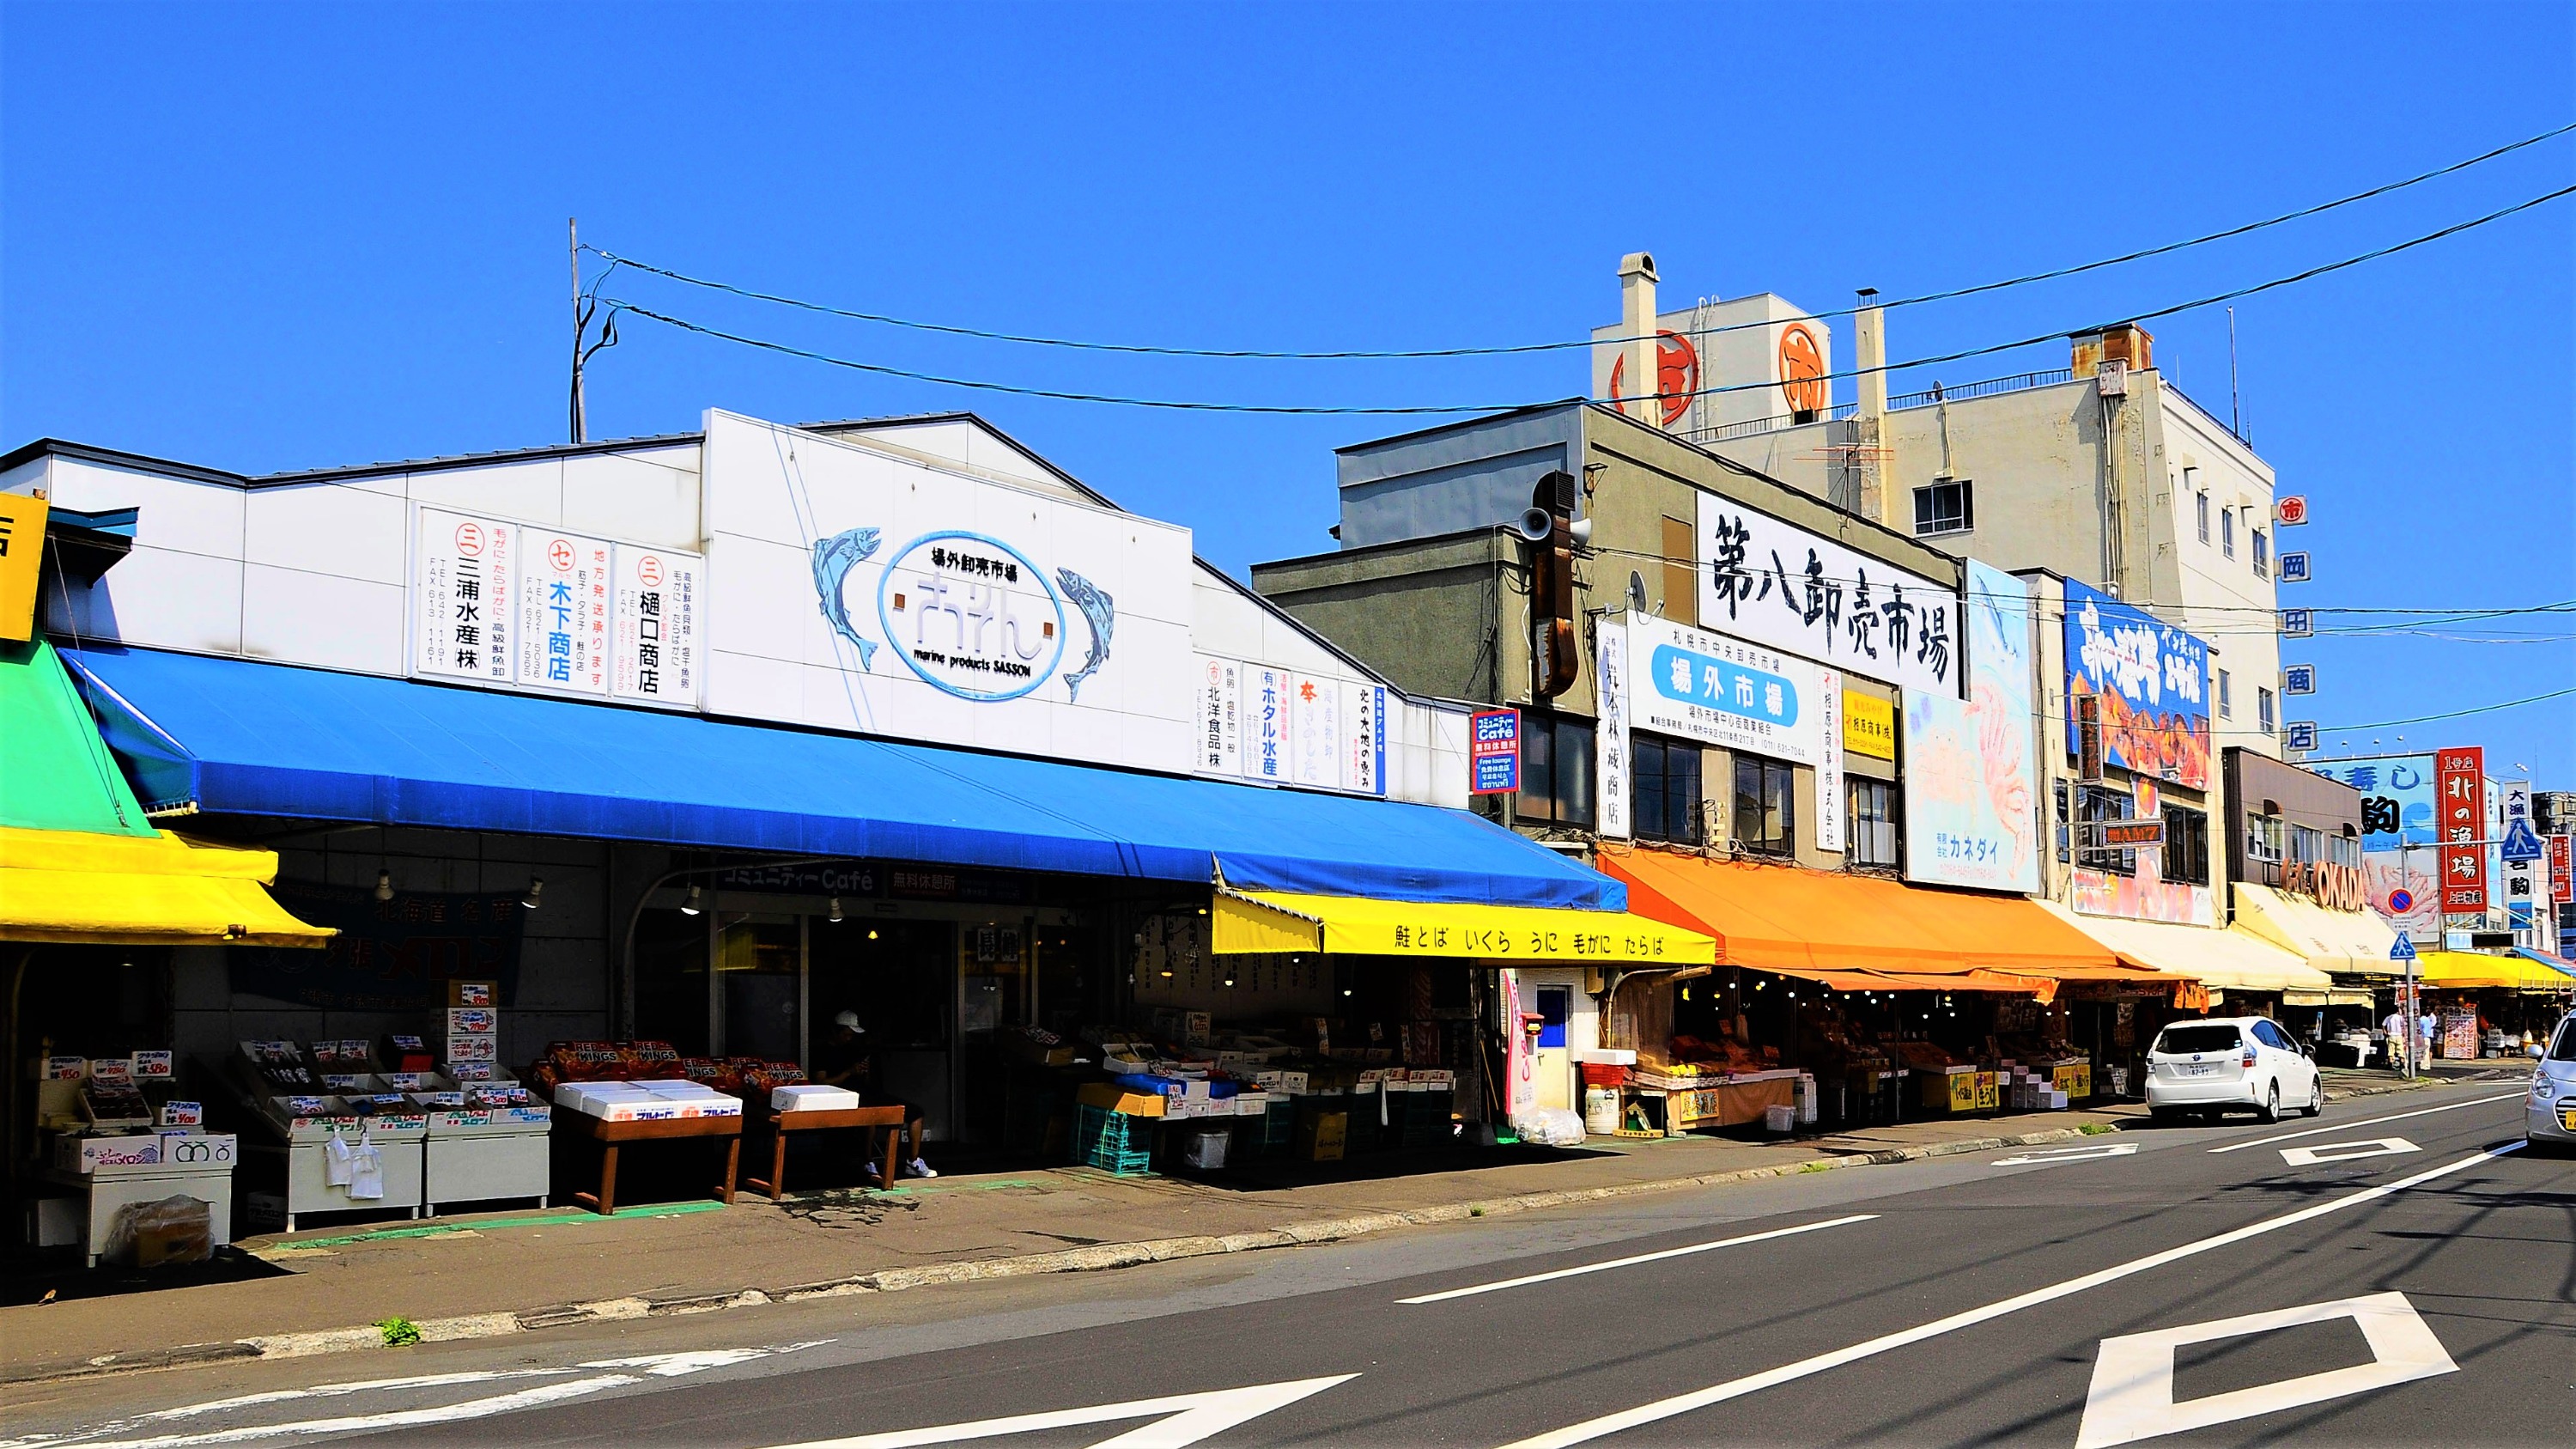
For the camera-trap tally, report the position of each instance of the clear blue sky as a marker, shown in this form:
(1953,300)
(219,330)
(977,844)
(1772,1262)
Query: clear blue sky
(272,236)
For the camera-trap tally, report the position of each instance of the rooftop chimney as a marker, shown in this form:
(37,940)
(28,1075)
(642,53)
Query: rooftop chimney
(1641,380)
(1869,353)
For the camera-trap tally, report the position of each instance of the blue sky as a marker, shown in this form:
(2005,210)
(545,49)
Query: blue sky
(271,236)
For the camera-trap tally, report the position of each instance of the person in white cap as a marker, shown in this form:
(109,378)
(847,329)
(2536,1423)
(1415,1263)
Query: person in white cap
(843,1060)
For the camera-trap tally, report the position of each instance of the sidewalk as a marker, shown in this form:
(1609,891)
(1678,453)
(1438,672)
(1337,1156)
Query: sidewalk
(480,1275)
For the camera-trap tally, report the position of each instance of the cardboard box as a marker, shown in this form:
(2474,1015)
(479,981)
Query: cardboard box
(806,1097)
(1119,1099)
(1320,1135)
(89,1154)
(474,993)
(200,1149)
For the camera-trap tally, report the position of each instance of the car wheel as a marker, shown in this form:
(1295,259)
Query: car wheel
(2271,1108)
(2316,1098)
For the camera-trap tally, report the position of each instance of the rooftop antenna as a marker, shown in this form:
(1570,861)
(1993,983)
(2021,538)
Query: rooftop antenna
(2235,406)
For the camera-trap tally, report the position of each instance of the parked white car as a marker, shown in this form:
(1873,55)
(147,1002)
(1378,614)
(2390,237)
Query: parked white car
(2549,1114)
(2241,1063)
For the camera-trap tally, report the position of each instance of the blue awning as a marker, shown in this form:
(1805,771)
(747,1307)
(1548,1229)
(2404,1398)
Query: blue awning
(234,736)
(2555,963)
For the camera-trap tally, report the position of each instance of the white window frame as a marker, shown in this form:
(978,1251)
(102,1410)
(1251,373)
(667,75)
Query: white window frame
(2226,695)
(2201,499)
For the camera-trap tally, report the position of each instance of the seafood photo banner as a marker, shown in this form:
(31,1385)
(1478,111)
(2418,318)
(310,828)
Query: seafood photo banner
(1971,791)
(2152,680)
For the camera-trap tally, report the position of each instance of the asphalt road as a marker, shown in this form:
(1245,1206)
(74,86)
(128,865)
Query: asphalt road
(2396,1272)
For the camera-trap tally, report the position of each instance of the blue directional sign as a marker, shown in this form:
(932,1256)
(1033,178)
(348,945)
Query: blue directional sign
(2294,567)
(2521,847)
(2298,623)
(2298,679)
(2404,950)
(2299,735)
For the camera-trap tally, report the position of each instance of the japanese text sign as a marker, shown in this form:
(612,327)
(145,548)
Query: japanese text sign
(2562,868)
(1724,691)
(1778,585)
(22,554)
(2152,681)
(509,604)
(1493,751)
(2460,805)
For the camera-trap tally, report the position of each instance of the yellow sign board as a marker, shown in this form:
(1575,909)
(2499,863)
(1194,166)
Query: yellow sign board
(1869,725)
(22,553)
(1259,921)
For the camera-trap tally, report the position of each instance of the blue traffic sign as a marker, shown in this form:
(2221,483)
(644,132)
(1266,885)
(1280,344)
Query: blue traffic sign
(2404,950)
(2521,847)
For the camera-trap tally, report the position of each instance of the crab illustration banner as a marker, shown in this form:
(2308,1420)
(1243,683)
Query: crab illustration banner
(2153,681)
(1970,767)
(865,588)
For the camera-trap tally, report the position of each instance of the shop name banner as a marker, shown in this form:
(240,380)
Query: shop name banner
(512,605)
(855,589)
(1278,726)
(2152,680)
(1969,790)
(1611,764)
(2460,798)
(1777,584)
(395,955)
(1722,691)
(2396,798)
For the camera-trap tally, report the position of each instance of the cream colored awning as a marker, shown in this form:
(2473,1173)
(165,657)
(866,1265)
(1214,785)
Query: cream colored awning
(2228,960)
(2348,941)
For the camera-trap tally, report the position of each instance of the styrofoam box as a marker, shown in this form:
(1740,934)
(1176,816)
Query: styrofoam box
(808,1097)
(89,1154)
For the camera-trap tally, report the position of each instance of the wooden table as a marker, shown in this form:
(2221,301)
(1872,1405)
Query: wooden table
(781,1123)
(613,1135)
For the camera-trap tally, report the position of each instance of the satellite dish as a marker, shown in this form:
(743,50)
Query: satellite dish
(1637,603)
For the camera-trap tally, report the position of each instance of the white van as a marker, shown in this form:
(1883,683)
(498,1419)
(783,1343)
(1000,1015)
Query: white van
(2231,1063)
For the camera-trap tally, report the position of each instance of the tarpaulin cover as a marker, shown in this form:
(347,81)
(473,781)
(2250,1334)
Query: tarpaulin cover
(1801,922)
(229,735)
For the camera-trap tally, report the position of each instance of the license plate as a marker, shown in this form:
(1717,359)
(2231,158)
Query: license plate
(2198,1069)
(2567,1118)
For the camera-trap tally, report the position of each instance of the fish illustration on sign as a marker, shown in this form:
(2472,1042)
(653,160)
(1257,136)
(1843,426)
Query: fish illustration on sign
(1098,610)
(834,557)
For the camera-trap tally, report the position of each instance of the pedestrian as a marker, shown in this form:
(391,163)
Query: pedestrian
(844,1060)
(2395,1029)
(2426,1039)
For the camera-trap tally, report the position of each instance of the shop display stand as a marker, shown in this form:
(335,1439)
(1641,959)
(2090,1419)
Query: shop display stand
(889,1120)
(613,1135)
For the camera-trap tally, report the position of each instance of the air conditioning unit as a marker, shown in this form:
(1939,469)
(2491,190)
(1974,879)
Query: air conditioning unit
(2112,379)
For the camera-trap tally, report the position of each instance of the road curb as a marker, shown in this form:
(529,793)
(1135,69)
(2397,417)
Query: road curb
(1098,1258)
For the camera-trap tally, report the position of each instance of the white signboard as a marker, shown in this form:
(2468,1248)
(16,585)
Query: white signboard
(1971,778)
(506,603)
(1259,723)
(1829,765)
(852,589)
(1720,691)
(1610,765)
(1773,583)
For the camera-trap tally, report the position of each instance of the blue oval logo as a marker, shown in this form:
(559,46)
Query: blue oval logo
(971,615)
(1686,676)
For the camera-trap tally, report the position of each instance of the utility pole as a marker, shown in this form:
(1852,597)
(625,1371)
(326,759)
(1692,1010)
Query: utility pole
(572,232)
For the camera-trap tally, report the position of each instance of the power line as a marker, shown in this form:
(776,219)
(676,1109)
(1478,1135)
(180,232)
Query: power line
(2452,714)
(1185,405)
(991,335)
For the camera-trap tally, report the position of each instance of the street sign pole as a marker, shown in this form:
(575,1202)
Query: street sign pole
(2403,949)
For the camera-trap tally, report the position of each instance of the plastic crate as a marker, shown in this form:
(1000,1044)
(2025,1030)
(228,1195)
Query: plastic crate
(1279,1124)
(1113,1141)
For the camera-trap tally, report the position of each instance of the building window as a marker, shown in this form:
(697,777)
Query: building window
(1766,811)
(1869,836)
(2263,838)
(1556,770)
(2186,845)
(1665,789)
(2263,709)
(2345,848)
(2307,845)
(2227,531)
(2099,805)
(2262,555)
(2201,501)
(2226,696)
(1945,507)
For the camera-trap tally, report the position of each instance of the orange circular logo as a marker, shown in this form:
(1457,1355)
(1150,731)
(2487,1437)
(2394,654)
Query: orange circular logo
(1676,374)
(1802,369)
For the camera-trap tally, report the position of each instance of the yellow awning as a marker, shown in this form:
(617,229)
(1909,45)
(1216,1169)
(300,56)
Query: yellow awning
(2228,960)
(2347,941)
(1249,922)
(157,889)
(2471,971)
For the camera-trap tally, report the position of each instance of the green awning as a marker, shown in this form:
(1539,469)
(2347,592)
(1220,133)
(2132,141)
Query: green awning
(55,772)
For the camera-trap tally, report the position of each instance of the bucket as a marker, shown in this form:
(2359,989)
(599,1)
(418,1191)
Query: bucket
(1779,1119)
(1205,1149)
(1601,1110)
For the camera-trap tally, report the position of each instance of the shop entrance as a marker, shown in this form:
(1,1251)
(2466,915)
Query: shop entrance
(900,977)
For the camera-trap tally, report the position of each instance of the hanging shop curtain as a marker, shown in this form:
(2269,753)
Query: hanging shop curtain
(232,735)
(80,863)
(1263,921)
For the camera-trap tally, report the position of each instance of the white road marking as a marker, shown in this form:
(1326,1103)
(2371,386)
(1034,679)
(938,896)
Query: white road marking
(2132,1394)
(660,1365)
(1632,1262)
(2067,1154)
(1180,1419)
(2365,1122)
(2347,1151)
(1608,1424)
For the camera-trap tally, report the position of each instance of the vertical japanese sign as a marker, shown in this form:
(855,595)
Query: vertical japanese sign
(563,618)
(1493,751)
(1266,724)
(655,642)
(463,584)
(2460,801)
(1829,763)
(1220,701)
(1315,730)
(22,555)
(1363,737)
(2522,857)
(2562,868)
(1610,739)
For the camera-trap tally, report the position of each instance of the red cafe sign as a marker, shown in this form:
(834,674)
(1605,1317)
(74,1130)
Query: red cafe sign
(2332,885)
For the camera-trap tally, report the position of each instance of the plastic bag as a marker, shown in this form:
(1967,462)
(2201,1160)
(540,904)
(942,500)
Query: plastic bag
(173,1230)
(1550,1127)
(366,1169)
(335,1161)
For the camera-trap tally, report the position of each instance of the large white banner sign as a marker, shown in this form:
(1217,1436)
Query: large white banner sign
(1720,691)
(1255,722)
(500,602)
(852,589)
(1802,593)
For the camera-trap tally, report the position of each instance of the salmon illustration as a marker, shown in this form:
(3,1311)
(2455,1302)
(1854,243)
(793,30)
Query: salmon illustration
(834,557)
(1101,613)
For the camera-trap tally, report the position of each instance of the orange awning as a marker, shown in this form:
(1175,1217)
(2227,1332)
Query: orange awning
(1821,925)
